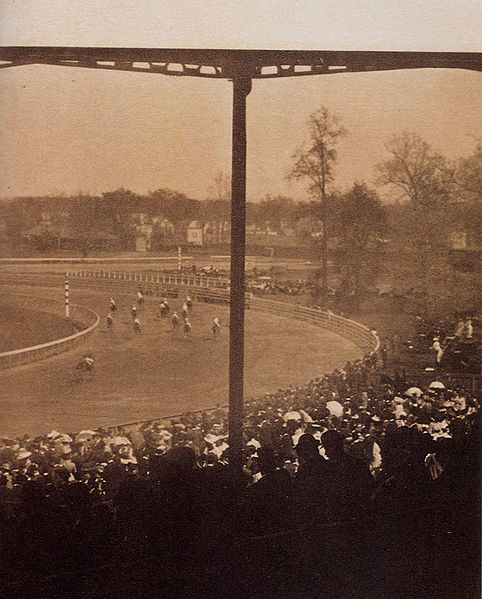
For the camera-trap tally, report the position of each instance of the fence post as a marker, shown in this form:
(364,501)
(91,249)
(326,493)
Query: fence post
(67,307)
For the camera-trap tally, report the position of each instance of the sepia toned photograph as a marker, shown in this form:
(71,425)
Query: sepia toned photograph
(240,300)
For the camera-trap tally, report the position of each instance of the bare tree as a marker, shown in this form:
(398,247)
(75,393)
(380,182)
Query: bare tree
(426,181)
(316,164)
(417,170)
(468,176)
(220,189)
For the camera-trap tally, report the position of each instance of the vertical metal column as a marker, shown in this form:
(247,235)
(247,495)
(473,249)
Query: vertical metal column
(241,88)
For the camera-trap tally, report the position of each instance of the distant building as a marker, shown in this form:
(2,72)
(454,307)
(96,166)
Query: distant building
(147,227)
(458,240)
(142,243)
(163,224)
(195,233)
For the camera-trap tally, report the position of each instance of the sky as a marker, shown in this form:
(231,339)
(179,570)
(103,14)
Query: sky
(78,130)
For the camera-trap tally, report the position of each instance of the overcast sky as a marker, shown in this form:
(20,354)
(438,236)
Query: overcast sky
(69,130)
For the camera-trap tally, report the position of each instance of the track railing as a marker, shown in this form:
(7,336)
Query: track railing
(152,278)
(26,355)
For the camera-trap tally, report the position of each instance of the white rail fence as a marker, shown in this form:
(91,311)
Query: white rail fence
(359,334)
(78,314)
(153,278)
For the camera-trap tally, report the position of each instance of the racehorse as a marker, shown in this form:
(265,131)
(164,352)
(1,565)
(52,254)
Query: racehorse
(186,328)
(87,364)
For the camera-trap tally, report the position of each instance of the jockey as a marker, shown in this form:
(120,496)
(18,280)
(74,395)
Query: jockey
(113,305)
(216,326)
(137,326)
(186,328)
(175,320)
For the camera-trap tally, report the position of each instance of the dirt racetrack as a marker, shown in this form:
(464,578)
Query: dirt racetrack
(158,373)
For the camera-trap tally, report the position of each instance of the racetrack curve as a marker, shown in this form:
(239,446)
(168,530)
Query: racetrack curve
(159,373)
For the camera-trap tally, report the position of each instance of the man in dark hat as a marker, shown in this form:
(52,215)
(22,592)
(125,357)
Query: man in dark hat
(348,478)
(267,503)
(309,484)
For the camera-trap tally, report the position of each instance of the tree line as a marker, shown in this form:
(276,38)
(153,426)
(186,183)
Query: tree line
(431,197)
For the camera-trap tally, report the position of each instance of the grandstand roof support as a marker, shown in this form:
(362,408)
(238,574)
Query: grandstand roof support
(241,89)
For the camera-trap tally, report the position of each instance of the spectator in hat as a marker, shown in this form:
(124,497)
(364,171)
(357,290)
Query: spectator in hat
(310,490)
(267,502)
(349,480)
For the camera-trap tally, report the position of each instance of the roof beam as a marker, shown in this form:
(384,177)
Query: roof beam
(220,64)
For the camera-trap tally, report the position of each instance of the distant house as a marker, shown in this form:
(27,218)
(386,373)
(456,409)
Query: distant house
(194,233)
(163,224)
(142,243)
(147,227)
(458,240)
(466,231)
(143,228)
(287,229)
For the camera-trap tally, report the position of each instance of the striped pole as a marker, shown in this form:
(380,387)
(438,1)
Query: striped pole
(67,307)
(179,258)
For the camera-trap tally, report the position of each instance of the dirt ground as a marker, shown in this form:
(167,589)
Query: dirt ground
(158,373)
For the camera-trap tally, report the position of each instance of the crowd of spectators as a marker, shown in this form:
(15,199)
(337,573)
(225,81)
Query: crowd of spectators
(344,446)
